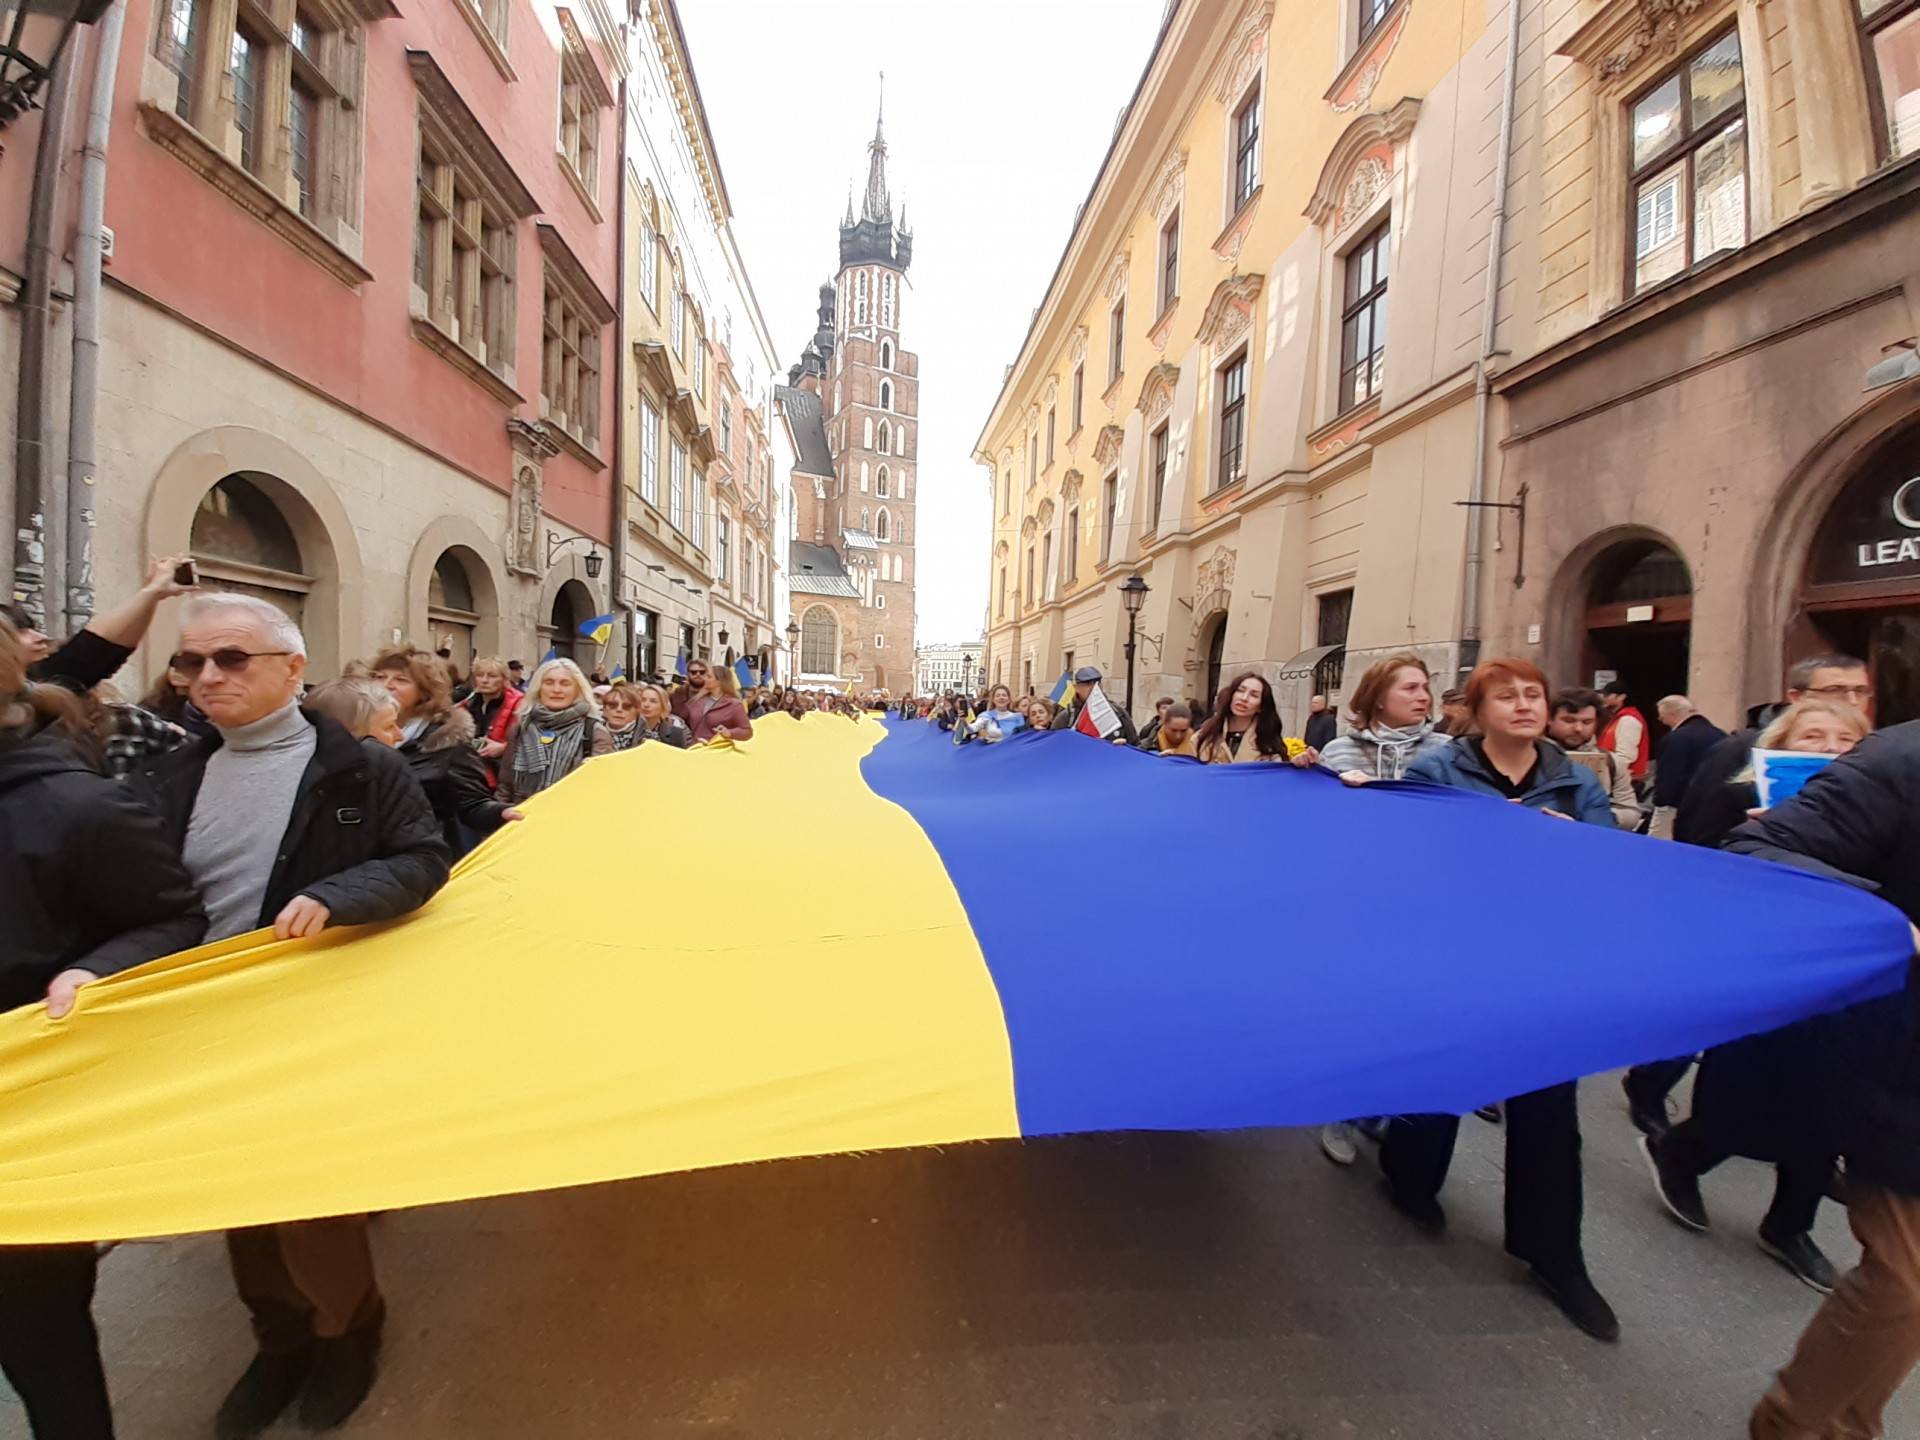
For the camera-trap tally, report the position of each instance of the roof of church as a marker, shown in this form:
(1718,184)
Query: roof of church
(859,540)
(816,570)
(804,415)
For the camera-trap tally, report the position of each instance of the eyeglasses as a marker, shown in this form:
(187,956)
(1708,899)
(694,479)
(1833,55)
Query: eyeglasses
(230,660)
(1855,693)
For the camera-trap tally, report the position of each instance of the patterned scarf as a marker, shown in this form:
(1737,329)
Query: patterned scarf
(549,747)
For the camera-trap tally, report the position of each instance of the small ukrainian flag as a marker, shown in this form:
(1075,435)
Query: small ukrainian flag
(599,629)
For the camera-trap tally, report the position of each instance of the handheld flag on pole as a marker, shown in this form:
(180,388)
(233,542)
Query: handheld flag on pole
(597,629)
(552,654)
(619,672)
(743,672)
(1061,687)
(1098,718)
(680,664)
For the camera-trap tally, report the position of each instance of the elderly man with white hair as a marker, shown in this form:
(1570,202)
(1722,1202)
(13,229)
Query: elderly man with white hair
(1689,739)
(285,820)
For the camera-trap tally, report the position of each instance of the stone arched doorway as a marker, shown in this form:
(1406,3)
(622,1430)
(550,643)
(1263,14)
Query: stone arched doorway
(1637,625)
(1210,656)
(572,607)
(453,606)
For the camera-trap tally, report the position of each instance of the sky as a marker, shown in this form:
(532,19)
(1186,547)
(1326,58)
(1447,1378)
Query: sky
(998,114)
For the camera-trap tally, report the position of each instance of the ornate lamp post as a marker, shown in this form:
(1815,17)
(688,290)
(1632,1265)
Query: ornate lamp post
(1134,594)
(793,650)
(594,558)
(23,70)
(966,674)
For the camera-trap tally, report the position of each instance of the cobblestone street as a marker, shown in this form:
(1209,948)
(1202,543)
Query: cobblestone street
(1229,1287)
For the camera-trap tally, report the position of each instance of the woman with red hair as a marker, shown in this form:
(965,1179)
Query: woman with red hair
(1508,758)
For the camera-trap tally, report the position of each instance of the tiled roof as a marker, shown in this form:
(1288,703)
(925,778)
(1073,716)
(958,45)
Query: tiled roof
(817,570)
(859,540)
(808,423)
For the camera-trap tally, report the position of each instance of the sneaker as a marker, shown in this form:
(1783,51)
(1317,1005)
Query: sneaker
(1678,1191)
(1492,1114)
(1336,1143)
(1570,1288)
(1805,1259)
(262,1393)
(1374,1128)
(1423,1211)
(343,1373)
(1649,1114)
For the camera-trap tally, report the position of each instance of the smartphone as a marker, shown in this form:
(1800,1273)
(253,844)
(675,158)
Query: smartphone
(185,574)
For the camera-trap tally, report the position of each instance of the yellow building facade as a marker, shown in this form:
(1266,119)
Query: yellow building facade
(1256,377)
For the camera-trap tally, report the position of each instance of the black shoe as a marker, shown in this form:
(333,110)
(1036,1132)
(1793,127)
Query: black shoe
(1569,1287)
(1648,1113)
(1805,1259)
(1678,1190)
(1423,1211)
(1492,1114)
(343,1374)
(262,1393)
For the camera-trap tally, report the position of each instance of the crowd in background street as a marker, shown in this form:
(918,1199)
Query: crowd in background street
(239,794)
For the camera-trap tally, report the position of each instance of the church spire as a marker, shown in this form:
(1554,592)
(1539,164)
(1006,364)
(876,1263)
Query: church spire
(876,205)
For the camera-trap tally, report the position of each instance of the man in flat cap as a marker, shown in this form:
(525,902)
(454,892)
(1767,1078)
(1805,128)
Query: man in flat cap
(1084,679)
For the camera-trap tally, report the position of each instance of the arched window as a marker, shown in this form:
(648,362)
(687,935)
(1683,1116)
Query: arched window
(880,483)
(860,308)
(886,301)
(880,525)
(819,641)
(886,394)
(452,611)
(866,518)
(238,521)
(867,433)
(883,438)
(886,354)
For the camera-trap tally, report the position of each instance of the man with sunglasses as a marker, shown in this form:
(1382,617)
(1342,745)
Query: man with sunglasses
(285,820)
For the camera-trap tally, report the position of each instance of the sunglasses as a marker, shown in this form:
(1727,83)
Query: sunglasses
(229,659)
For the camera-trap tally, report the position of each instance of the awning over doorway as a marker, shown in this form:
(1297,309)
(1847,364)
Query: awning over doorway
(1302,666)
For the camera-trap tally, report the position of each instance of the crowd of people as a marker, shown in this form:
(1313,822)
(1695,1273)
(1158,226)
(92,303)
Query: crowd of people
(241,795)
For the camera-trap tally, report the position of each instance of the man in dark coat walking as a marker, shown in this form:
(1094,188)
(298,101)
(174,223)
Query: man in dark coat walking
(1855,1078)
(1689,739)
(285,820)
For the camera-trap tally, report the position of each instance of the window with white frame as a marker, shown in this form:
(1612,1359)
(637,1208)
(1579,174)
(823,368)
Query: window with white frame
(882,527)
(879,642)
(1170,261)
(1050,429)
(679,322)
(886,354)
(699,509)
(677,486)
(1158,449)
(1116,339)
(1689,177)
(1109,515)
(1363,317)
(1079,396)
(886,394)
(880,482)
(886,300)
(1072,553)
(1232,378)
(1246,148)
(570,363)
(723,549)
(649,453)
(492,14)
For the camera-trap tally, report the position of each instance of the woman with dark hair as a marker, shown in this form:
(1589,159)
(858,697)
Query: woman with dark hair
(90,887)
(1245,724)
(1509,759)
(437,742)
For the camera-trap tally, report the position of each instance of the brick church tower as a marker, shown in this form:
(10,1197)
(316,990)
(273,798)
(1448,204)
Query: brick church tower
(853,562)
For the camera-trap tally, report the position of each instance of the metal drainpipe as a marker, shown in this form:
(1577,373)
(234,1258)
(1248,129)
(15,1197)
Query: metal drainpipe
(1489,324)
(36,326)
(618,544)
(88,254)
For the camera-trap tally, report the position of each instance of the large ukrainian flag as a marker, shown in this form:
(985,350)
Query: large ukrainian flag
(875,960)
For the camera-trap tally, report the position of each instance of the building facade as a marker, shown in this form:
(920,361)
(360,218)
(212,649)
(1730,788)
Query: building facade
(1254,377)
(701,493)
(355,340)
(940,668)
(852,406)
(1716,442)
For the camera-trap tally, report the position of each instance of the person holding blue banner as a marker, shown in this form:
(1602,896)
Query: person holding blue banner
(711,706)
(999,719)
(1510,760)
(558,728)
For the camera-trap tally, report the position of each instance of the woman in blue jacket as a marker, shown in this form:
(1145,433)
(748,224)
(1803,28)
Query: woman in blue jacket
(1507,757)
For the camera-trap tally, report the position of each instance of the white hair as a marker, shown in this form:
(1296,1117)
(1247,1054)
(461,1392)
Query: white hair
(280,630)
(1674,705)
(563,666)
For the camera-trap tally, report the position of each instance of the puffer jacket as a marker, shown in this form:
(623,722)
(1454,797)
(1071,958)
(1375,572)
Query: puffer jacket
(361,838)
(87,878)
(1558,783)
(443,761)
(1380,751)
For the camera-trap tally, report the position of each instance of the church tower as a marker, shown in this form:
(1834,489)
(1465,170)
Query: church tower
(872,402)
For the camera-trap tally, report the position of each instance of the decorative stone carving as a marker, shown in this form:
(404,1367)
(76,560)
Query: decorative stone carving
(1116,281)
(1168,185)
(1077,346)
(1658,27)
(1156,396)
(523,542)
(1053,390)
(1070,487)
(1245,53)
(1354,88)
(1045,512)
(1029,527)
(1377,133)
(1106,449)
(1000,550)
(1229,314)
(1370,177)
(1215,573)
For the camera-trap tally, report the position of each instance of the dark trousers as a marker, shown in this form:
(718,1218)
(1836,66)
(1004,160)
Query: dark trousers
(1797,1187)
(1653,1082)
(1544,1195)
(48,1346)
(306,1280)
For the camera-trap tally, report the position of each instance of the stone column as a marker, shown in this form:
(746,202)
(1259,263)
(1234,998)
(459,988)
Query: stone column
(1830,92)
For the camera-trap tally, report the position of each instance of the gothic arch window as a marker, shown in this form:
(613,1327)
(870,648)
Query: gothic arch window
(886,301)
(880,484)
(886,394)
(885,440)
(886,354)
(881,527)
(866,442)
(819,640)
(860,306)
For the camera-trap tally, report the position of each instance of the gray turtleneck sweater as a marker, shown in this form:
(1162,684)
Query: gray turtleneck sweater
(241,813)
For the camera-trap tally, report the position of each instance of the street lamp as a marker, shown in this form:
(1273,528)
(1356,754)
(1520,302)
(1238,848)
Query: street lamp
(1133,594)
(966,673)
(22,73)
(555,545)
(793,651)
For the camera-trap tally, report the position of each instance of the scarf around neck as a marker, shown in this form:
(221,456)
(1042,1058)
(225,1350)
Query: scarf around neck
(550,745)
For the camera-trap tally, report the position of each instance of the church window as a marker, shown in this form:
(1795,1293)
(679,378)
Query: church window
(860,298)
(880,483)
(866,517)
(819,640)
(885,438)
(886,354)
(881,528)
(886,394)
(866,440)
(886,301)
